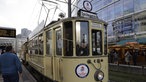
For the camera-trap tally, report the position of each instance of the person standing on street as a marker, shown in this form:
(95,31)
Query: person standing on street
(135,55)
(10,66)
(128,57)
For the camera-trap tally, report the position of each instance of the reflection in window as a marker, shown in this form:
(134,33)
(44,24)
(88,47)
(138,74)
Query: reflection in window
(49,42)
(96,42)
(82,36)
(58,42)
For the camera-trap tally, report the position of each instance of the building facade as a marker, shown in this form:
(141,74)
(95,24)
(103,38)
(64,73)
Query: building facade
(126,18)
(25,32)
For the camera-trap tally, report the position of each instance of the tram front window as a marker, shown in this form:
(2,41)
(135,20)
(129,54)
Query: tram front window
(96,42)
(82,38)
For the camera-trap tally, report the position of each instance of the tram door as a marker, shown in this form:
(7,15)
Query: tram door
(58,46)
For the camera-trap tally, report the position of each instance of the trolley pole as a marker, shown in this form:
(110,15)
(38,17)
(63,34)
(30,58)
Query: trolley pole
(69,8)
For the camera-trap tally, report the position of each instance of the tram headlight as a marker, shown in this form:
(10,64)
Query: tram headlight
(99,75)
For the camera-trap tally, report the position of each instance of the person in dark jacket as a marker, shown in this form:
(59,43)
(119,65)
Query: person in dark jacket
(10,66)
(135,55)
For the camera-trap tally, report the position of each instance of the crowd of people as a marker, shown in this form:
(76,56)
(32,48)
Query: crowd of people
(130,56)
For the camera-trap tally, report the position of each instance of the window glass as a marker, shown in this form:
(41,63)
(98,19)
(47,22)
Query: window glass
(35,46)
(58,42)
(96,42)
(106,2)
(110,28)
(105,40)
(110,12)
(127,25)
(49,42)
(118,9)
(40,44)
(30,47)
(100,15)
(139,5)
(105,15)
(139,22)
(82,37)
(68,39)
(128,6)
(97,4)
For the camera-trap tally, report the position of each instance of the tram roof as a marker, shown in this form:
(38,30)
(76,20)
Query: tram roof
(73,18)
(63,20)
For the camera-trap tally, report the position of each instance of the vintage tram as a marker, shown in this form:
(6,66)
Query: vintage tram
(70,50)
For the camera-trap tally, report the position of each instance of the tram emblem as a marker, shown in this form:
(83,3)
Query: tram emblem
(82,70)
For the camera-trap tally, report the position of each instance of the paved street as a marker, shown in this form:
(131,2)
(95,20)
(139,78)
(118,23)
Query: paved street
(26,76)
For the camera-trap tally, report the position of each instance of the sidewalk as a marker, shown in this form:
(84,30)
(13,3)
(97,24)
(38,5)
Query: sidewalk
(26,76)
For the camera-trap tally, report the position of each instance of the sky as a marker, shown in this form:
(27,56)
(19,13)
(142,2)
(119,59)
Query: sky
(26,13)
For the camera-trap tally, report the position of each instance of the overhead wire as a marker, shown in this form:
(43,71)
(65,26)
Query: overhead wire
(37,1)
(40,12)
(54,12)
(48,11)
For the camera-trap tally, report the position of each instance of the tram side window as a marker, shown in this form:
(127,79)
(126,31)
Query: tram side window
(49,42)
(35,47)
(40,44)
(82,38)
(58,42)
(68,39)
(96,42)
(30,47)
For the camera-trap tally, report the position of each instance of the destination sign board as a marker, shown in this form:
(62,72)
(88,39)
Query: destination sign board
(7,32)
(87,14)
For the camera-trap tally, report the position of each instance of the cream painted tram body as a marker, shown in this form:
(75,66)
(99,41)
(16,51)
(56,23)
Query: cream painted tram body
(71,50)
